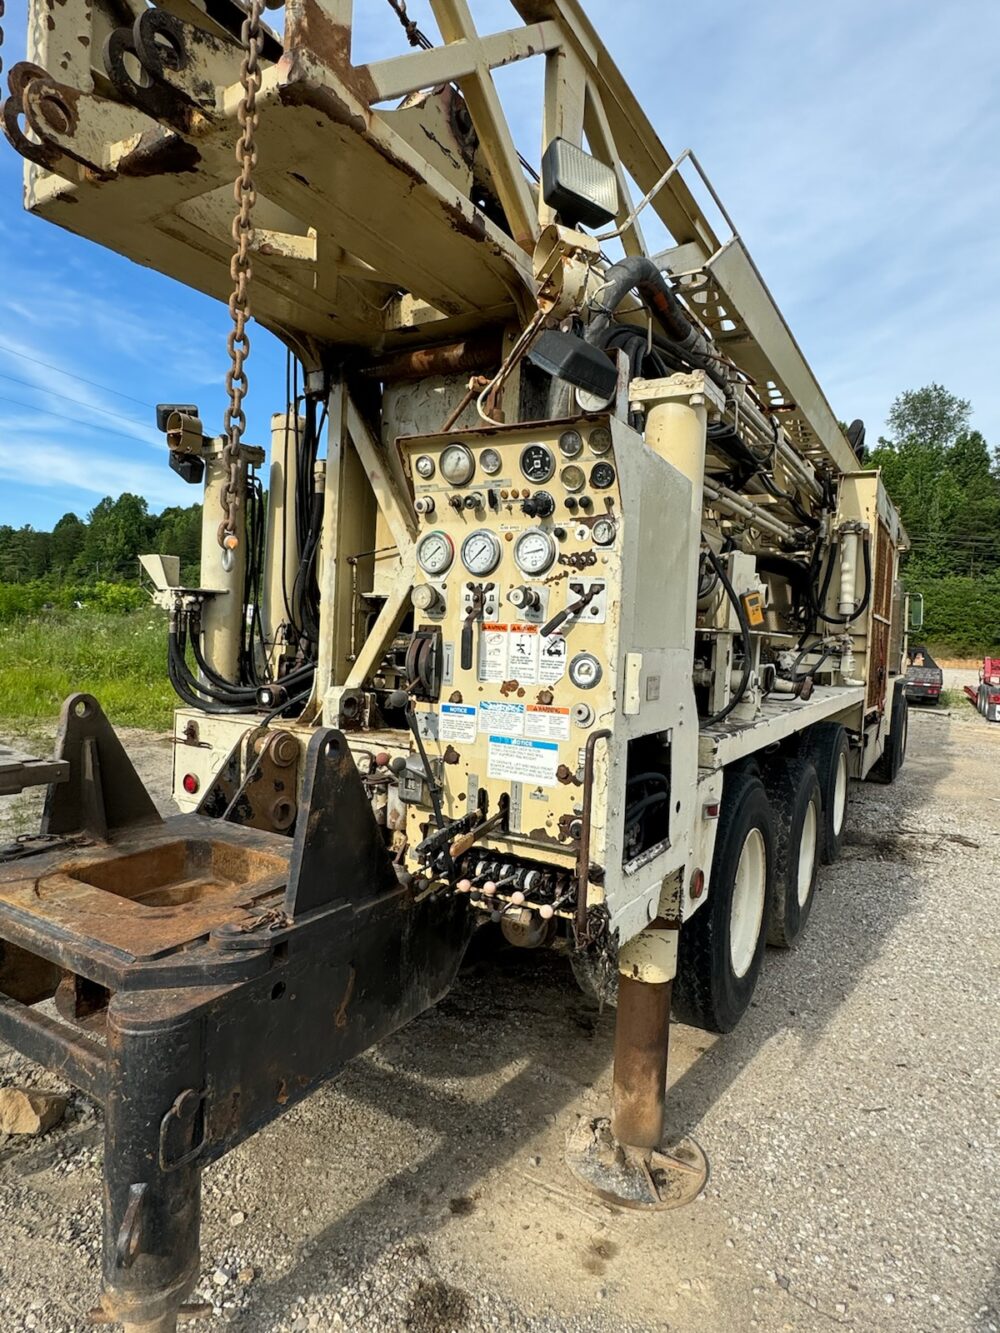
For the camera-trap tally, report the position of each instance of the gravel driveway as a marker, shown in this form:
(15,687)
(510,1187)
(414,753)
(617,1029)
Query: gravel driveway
(850,1123)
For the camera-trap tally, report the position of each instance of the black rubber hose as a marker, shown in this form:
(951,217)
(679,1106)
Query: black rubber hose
(862,607)
(637,273)
(741,616)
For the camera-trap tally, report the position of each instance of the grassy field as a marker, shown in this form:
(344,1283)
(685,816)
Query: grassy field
(119,658)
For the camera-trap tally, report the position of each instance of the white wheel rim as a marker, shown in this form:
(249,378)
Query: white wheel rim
(840,795)
(808,844)
(747,914)
(906,728)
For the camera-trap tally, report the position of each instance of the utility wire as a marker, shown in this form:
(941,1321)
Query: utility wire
(81,402)
(73,421)
(6,347)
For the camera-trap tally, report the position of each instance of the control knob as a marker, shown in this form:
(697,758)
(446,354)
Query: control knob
(539,505)
(525,599)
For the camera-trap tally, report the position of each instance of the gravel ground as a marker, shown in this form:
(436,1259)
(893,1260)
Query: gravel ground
(850,1123)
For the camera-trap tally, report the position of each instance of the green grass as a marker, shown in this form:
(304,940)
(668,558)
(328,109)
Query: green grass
(118,658)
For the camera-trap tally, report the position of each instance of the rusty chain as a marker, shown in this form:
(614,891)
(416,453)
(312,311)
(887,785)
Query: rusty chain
(241,272)
(2,8)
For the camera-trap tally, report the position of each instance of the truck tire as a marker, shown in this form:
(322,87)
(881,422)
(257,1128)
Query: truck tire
(827,746)
(797,804)
(887,766)
(722,946)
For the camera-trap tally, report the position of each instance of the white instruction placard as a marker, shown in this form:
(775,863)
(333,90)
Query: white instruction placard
(522,654)
(458,723)
(551,659)
(514,760)
(493,653)
(548,724)
(502,718)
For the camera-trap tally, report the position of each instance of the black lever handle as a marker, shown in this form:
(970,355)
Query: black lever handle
(573,609)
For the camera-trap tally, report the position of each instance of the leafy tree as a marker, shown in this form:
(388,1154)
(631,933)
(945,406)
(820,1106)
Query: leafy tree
(117,532)
(68,537)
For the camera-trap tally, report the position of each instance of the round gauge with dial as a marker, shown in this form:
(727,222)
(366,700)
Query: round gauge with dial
(491,462)
(537,462)
(600,440)
(481,552)
(424,467)
(573,477)
(602,475)
(534,551)
(435,552)
(571,443)
(604,531)
(585,671)
(457,464)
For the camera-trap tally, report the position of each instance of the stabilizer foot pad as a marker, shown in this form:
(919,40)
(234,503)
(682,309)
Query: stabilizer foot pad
(669,1177)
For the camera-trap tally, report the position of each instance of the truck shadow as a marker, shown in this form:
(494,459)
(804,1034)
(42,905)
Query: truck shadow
(519,1027)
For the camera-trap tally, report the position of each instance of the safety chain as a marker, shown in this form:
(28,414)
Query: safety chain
(413,33)
(241,272)
(2,8)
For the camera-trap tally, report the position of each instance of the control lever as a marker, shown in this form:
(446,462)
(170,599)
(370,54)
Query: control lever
(574,608)
(400,699)
(474,613)
(468,840)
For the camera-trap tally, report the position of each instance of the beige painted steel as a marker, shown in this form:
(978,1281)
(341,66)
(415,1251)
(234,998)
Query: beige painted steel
(222,613)
(281,539)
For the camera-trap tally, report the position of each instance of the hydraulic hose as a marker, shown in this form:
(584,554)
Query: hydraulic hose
(862,607)
(637,273)
(741,616)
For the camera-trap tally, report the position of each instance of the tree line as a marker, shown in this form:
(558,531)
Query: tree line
(105,545)
(945,480)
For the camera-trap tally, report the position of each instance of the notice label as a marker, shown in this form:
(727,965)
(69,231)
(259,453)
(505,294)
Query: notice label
(493,653)
(549,724)
(458,723)
(522,654)
(502,719)
(551,659)
(514,760)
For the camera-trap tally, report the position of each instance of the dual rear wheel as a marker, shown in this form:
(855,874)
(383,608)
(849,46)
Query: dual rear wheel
(777,823)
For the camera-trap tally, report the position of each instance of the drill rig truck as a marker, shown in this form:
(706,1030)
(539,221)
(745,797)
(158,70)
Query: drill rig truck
(568,611)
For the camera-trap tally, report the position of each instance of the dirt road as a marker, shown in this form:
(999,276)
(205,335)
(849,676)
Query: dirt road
(850,1123)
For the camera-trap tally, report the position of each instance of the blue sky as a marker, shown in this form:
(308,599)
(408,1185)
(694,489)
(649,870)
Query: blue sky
(855,145)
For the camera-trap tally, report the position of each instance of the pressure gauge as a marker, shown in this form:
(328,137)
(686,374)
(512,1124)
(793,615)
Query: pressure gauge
(537,462)
(481,552)
(457,464)
(424,466)
(585,671)
(572,477)
(491,462)
(435,552)
(602,475)
(600,440)
(534,551)
(604,531)
(571,443)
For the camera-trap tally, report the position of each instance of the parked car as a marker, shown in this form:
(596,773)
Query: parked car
(924,678)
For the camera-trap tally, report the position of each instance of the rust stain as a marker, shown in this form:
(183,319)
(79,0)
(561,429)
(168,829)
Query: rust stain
(510,687)
(160,154)
(455,697)
(451,755)
(340,1017)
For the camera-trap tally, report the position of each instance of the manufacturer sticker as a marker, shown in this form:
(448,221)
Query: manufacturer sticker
(514,760)
(502,719)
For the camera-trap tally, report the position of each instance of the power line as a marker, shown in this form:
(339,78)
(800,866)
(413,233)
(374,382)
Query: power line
(6,347)
(73,421)
(91,407)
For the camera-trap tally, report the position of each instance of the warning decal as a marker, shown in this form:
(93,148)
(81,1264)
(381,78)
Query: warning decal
(551,659)
(550,724)
(502,719)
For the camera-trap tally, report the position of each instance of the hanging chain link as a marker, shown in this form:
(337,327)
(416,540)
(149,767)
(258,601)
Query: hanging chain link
(2,8)
(241,272)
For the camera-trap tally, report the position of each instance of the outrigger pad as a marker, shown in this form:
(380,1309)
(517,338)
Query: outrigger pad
(103,793)
(339,853)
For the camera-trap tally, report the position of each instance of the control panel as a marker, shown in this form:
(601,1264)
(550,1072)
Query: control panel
(518,573)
